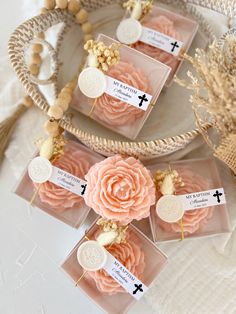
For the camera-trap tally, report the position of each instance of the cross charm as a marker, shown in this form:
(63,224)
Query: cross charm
(175,45)
(138,288)
(217,194)
(142,99)
(83,186)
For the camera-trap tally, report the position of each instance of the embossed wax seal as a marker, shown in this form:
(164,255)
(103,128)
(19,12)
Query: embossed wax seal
(92,82)
(40,169)
(170,208)
(91,256)
(129,31)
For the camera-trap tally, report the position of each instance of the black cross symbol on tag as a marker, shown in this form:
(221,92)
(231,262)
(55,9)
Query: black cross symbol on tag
(217,194)
(138,288)
(142,99)
(83,186)
(175,45)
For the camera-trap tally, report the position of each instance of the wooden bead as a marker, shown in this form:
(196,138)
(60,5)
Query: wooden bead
(36,59)
(82,16)
(87,28)
(43,11)
(66,96)
(37,48)
(87,37)
(61,4)
(62,103)
(34,69)
(49,4)
(51,127)
(55,112)
(66,90)
(72,84)
(27,101)
(73,7)
(40,35)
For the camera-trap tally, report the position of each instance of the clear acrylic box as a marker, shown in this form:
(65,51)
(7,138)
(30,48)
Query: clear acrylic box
(136,70)
(198,175)
(54,200)
(120,302)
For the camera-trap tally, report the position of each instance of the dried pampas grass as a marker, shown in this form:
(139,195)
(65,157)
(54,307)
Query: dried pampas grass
(214,94)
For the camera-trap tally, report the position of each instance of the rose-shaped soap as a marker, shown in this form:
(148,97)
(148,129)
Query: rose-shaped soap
(120,189)
(163,25)
(73,161)
(192,220)
(113,111)
(131,256)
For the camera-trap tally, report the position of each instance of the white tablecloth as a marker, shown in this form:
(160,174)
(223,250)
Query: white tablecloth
(201,274)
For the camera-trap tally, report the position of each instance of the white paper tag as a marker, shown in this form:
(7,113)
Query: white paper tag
(124,277)
(203,199)
(128,94)
(161,41)
(68,181)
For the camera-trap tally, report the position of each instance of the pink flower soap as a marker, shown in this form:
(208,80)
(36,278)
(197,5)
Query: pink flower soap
(188,203)
(192,220)
(165,26)
(122,96)
(162,35)
(120,189)
(131,256)
(114,111)
(54,199)
(75,162)
(138,254)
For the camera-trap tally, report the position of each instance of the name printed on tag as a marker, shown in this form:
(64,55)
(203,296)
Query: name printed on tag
(127,93)
(203,199)
(161,41)
(68,181)
(124,277)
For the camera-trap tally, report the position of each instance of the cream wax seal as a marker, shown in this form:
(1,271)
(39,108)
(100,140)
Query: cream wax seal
(92,82)
(129,31)
(91,256)
(170,208)
(40,169)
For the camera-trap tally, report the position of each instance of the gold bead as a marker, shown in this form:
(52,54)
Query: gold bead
(34,69)
(51,127)
(61,4)
(36,59)
(40,35)
(49,4)
(55,112)
(88,37)
(37,48)
(82,16)
(73,7)
(27,101)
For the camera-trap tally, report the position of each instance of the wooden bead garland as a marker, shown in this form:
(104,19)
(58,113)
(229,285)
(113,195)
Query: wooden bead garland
(61,104)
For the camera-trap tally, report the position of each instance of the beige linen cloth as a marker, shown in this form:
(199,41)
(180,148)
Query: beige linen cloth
(201,274)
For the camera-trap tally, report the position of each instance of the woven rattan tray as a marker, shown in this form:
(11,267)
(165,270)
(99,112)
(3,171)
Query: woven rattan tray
(174,128)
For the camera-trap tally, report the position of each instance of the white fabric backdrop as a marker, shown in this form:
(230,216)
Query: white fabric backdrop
(200,276)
